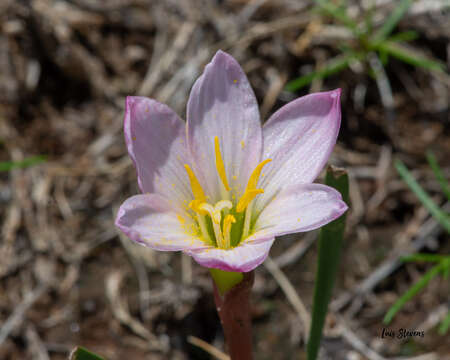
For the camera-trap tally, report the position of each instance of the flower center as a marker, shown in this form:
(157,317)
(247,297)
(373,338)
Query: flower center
(224,224)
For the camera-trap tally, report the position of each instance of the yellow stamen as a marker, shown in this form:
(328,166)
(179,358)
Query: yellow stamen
(227,222)
(195,185)
(248,196)
(253,181)
(195,205)
(220,165)
(250,190)
(181,219)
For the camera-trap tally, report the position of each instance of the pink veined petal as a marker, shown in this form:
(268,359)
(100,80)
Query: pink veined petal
(155,138)
(222,103)
(242,258)
(299,139)
(299,208)
(151,221)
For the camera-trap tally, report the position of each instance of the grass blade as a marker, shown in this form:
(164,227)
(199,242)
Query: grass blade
(392,21)
(409,56)
(424,198)
(412,291)
(10,165)
(339,14)
(80,353)
(404,36)
(424,257)
(330,245)
(445,325)
(439,174)
(382,80)
(336,65)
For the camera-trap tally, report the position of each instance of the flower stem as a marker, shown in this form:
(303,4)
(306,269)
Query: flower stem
(233,307)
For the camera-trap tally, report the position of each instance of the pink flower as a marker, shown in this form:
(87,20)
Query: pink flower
(222,187)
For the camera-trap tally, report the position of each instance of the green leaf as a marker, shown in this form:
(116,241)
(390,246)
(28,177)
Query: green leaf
(10,165)
(80,353)
(424,257)
(339,14)
(330,246)
(334,66)
(404,36)
(439,174)
(392,21)
(446,265)
(413,290)
(424,198)
(445,325)
(409,56)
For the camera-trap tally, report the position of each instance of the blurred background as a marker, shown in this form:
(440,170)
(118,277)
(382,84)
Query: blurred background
(67,277)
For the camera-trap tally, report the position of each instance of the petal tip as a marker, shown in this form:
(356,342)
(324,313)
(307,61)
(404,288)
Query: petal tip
(130,101)
(336,95)
(333,96)
(343,207)
(221,55)
(336,92)
(228,62)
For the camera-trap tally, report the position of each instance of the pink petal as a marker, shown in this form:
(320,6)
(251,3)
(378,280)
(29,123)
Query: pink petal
(242,258)
(222,103)
(155,138)
(300,208)
(151,221)
(299,139)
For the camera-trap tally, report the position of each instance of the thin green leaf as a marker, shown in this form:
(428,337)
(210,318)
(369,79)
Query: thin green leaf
(339,14)
(409,56)
(445,325)
(382,80)
(424,257)
(412,291)
(392,21)
(10,165)
(334,66)
(404,36)
(368,19)
(330,246)
(424,198)
(446,265)
(80,353)
(439,174)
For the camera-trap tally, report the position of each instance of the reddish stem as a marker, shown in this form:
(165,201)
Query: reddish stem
(233,308)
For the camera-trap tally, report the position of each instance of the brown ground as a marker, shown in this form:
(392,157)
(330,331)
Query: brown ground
(67,278)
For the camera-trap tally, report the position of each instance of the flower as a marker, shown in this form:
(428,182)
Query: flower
(222,187)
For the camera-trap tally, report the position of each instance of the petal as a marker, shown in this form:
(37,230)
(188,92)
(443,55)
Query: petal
(155,138)
(242,258)
(299,139)
(222,103)
(151,221)
(300,208)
